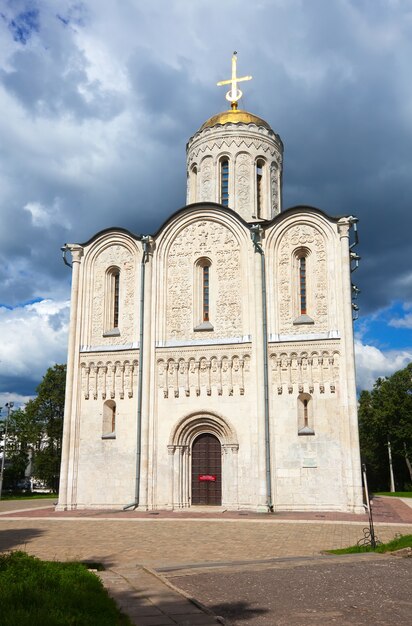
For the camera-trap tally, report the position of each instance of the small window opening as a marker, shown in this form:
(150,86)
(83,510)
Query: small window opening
(259,187)
(224,182)
(201,296)
(305,415)
(193,184)
(302,285)
(109,420)
(205,293)
(116,283)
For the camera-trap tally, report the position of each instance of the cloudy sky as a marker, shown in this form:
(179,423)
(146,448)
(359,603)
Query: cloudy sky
(99,98)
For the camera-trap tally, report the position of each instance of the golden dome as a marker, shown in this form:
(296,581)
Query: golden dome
(234,116)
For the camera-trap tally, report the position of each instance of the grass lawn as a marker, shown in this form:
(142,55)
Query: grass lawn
(395,494)
(404,541)
(44,593)
(28,496)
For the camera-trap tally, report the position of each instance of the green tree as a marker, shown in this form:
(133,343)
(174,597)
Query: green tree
(48,410)
(35,432)
(385,414)
(24,436)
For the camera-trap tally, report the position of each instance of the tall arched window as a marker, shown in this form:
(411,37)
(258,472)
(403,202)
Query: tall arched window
(202,294)
(112,301)
(302,284)
(205,293)
(109,420)
(224,181)
(260,164)
(302,298)
(193,184)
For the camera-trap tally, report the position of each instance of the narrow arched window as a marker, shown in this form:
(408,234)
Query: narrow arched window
(224,182)
(259,187)
(302,284)
(116,284)
(206,293)
(193,184)
(112,301)
(305,414)
(202,294)
(109,420)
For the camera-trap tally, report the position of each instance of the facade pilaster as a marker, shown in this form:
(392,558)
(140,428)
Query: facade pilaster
(70,405)
(147,382)
(349,401)
(258,359)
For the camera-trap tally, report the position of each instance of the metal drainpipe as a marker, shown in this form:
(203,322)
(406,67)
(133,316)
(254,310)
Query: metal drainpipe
(256,235)
(145,242)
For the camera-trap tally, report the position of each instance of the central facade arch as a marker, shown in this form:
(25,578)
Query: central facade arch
(213,433)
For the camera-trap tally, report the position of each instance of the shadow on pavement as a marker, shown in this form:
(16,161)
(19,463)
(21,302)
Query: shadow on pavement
(147,600)
(17,538)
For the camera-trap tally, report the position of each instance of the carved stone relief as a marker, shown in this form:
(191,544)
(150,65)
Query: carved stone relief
(292,240)
(119,256)
(274,188)
(243,185)
(206,180)
(204,238)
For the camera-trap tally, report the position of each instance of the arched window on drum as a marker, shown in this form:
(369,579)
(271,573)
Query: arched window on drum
(224,181)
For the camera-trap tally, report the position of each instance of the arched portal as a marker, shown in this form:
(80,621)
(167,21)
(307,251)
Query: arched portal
(207,470)
(203,444)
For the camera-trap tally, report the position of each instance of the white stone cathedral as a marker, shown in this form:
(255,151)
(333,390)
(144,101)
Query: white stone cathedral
(212,363)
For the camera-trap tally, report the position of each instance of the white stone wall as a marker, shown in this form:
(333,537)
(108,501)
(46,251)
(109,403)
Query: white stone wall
(211,380)
(243,145)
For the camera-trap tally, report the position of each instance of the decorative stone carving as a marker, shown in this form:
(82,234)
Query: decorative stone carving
(300,371)
(211,375)
(206,180)
(204,238)
(243,185)
(105,379)
(307,237)
(120,256)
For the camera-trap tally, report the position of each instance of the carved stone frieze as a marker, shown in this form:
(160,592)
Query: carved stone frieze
(301,371)
(113,378)
(223,373)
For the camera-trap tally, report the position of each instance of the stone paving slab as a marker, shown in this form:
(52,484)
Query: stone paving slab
(358,590)
(148,601)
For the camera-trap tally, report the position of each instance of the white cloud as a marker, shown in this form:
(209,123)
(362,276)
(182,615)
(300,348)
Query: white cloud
(43,216)
(404,322)
(34,337)
(372,363)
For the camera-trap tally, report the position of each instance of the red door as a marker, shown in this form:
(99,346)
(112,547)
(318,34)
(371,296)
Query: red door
(207,470)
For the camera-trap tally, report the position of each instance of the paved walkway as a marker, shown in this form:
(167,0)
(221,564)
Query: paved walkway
(130,543)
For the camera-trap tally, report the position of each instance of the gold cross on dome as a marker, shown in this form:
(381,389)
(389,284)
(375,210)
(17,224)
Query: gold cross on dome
(234,94)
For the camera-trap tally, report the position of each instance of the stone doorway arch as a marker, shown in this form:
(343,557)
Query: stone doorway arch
(186,431)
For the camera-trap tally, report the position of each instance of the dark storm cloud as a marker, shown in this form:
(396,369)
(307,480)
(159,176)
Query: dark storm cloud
(101,101)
